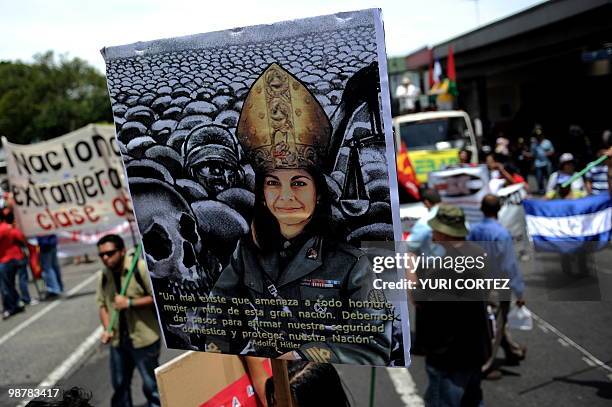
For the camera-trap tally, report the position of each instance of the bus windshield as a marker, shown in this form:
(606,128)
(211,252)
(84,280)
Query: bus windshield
(426,134)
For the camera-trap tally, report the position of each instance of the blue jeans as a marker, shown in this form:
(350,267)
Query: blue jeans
(453,388)
(8,272)
(51,271)
(22,273)
(542,174)
(123,360)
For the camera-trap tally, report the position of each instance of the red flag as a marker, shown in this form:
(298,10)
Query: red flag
(451,73)
(34,260)
(406,174)
(450,65)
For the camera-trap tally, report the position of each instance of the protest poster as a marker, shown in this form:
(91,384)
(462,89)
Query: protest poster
(464,187)
(71,183)
(218,132)
(184,381)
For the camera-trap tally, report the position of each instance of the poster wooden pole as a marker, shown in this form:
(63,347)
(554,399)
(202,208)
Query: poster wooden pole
(131,218)
(134,239)
(372,385)
(280,377)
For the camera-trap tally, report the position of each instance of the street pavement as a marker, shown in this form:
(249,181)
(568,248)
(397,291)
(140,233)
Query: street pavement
(568,359)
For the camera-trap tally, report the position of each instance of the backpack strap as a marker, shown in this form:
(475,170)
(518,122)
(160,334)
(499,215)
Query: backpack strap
(139,279)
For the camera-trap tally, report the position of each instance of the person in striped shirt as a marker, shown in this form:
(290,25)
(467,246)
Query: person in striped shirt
(597,177)
(609,154)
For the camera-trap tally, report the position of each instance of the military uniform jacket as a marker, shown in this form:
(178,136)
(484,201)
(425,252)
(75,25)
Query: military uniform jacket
(319,271)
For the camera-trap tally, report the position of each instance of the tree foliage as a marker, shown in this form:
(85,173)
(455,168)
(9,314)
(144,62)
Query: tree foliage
(50,97)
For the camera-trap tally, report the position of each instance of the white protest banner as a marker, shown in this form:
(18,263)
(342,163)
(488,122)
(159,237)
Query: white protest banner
(74,182)
(463,187)
(79,242)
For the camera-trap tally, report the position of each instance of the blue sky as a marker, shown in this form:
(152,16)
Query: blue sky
(82,27)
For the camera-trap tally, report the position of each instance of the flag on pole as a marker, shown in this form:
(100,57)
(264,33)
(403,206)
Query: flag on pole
(451,73)
(569,225)
(430,78)
(405,173)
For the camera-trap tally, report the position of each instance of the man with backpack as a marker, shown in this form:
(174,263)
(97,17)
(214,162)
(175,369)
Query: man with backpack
(134,338)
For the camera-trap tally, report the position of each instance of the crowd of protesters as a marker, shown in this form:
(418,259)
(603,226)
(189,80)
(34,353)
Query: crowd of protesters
(552,164)
(457,338)
(455,334)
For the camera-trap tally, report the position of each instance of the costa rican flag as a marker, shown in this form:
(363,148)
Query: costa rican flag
(569,226)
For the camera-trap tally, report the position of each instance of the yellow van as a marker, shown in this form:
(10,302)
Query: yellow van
(433,139)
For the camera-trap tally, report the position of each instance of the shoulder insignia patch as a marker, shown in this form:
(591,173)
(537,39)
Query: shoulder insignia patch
(320,355)
(211,347)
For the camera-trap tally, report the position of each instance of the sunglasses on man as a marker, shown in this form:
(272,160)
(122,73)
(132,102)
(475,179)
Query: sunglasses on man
(108,253)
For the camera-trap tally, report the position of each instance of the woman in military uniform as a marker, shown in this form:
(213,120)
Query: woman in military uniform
(292,277)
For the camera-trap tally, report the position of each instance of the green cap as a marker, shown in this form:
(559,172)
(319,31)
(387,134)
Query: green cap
(449,220)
